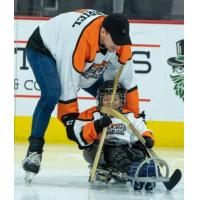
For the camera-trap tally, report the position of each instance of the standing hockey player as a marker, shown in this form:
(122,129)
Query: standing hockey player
(74,50)
(122,150)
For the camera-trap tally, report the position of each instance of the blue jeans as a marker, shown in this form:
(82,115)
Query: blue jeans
(46,75)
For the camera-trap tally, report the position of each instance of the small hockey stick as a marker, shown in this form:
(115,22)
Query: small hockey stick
(103,135)
(173,180)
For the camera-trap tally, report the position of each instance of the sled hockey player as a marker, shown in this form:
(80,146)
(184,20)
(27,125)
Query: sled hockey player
(122,151)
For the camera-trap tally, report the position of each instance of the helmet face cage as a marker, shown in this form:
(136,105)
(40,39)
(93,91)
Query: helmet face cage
(106,89)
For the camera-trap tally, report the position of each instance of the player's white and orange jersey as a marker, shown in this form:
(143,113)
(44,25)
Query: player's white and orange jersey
(73,40)
(118,132)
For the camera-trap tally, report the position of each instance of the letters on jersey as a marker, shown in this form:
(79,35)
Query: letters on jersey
(85,15)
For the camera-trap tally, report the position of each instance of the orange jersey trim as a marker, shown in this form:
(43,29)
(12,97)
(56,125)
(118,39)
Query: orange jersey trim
(87,115)
(89,133)
(66,108)
(126,111)
(132,101)
(148,134)
(124,54)
(87,45)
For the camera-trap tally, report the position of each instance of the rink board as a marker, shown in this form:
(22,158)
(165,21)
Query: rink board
(167,134)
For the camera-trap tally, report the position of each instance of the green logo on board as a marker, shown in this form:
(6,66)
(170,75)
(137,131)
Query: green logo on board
(177,74)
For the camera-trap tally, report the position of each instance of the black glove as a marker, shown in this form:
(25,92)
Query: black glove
(69,121)
(69,118)
(149,142)
(100,124)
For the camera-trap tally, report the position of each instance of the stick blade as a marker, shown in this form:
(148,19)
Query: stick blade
(174,179)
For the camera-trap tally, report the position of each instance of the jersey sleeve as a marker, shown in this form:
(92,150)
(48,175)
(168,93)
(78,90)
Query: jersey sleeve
(67,107)
(124,54)
(81,53)
(132,100)
(139,124)
(84,131)
(128,79)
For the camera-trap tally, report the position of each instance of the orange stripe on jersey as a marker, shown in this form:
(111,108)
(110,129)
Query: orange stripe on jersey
(148,134)
(66,108)
(132,101)
(87,45)
(126,111)
(89,133)
(124,54)
(87,114)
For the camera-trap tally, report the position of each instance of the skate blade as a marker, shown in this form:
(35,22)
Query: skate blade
(29,176)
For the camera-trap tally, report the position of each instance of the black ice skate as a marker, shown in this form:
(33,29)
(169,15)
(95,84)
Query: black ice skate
(31,165)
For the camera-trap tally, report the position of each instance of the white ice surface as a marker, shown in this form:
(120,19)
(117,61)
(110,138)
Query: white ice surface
(64,175)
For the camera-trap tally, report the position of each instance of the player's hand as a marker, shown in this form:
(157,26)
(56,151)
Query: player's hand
(149,142)
(100,124)
(69,119)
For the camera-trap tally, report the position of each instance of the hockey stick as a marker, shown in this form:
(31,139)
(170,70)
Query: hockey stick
(117,114)
(176,175)
(103,135)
